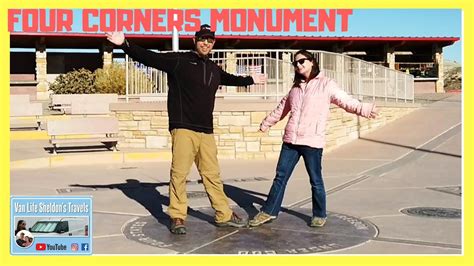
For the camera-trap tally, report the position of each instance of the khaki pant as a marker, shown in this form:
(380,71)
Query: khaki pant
(188,147)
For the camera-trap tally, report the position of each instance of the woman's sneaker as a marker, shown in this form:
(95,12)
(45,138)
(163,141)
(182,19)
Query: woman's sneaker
(261,218)
(317,222)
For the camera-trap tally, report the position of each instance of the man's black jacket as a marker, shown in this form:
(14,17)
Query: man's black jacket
(193,82)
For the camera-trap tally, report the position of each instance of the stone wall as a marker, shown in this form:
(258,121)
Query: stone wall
(42,86)
(145,125)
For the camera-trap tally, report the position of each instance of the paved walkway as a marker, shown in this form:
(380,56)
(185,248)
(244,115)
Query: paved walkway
(415,161)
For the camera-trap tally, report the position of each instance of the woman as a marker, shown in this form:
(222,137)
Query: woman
(308,103)
(21,225)
(28,241)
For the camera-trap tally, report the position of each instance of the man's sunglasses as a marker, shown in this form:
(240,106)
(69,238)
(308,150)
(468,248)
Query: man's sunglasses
(299,61)
(209,40)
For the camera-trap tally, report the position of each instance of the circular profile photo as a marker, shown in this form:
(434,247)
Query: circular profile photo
(24,239)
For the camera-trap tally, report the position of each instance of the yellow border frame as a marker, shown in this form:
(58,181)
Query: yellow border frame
(7,259)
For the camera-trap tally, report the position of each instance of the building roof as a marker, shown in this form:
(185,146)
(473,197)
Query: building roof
(163,42)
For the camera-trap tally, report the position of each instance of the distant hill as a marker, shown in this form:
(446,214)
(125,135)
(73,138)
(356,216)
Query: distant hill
(452,75)
(448,65)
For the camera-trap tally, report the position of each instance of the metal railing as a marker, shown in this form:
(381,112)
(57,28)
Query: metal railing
(357,77)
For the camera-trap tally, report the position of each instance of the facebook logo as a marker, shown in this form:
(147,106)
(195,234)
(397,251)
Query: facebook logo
(85,246)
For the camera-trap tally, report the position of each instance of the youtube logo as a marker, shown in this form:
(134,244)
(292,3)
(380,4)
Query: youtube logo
(40,246)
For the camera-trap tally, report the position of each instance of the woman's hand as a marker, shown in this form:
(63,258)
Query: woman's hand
(373,113)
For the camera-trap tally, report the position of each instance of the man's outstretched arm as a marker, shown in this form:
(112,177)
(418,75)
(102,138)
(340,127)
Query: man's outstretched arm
(161,61)
(233,80)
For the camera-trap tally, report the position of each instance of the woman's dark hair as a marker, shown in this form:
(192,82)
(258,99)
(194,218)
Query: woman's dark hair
(314,70)
(18,226)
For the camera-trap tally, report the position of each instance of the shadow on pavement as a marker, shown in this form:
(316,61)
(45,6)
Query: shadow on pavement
(247,198)
(147,195)
(150,198)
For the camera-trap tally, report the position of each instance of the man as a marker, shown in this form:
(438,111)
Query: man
(21,240)
(193,81)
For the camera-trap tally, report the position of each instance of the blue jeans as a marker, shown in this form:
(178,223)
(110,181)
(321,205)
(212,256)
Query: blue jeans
(289,156)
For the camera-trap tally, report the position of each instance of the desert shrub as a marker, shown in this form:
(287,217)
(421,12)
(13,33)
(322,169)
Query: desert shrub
(74,82)
(110,79)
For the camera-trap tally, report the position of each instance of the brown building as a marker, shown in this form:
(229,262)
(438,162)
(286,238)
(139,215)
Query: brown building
(30,71)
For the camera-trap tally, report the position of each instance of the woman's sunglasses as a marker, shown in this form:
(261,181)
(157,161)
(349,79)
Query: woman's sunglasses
(300,61)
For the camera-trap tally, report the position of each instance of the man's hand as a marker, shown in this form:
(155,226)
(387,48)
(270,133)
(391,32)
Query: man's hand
(259,78)
(115,37)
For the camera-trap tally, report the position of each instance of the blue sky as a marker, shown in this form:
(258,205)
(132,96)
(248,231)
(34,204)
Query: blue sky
(376,22)
(410,23)
(401,23)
